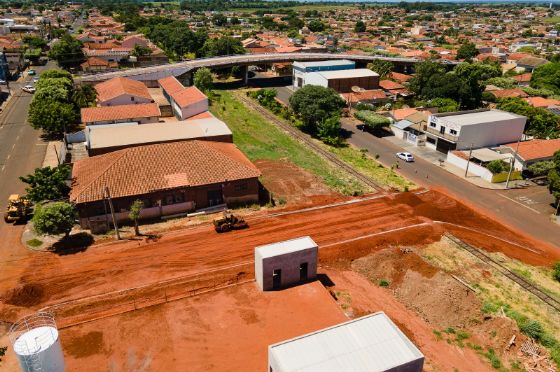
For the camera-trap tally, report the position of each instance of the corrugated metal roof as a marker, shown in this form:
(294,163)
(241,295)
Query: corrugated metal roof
(370,343)
(285,247)
(345,74)
(402,124)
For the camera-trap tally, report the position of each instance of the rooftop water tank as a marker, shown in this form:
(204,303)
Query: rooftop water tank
(36,344)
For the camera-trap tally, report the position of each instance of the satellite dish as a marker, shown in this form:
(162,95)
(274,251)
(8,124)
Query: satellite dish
(357,89)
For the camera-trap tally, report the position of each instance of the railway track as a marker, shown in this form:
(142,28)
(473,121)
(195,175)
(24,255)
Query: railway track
(549,300)
(296,133)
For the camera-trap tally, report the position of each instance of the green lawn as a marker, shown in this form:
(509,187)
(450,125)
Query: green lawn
(259,139)
(553,20)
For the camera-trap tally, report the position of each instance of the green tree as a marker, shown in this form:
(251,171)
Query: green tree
(34,41)
(547,76)
(467,51)
(225,45)
(316,25)
(554,177)
(134,214)
(360,26)
(541,168)
(203,79)
(219,20)
(313,103)
(556,271)
(54,218)
(328,130)
(67,51)
(444,104)
(52,116)
(84,96)
(371,119)
(47,183)
(540,122)
(382,67)
(496,166)
(140,50)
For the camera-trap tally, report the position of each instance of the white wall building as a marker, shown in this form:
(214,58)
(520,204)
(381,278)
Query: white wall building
(370,343)
(300,69)
(476,129)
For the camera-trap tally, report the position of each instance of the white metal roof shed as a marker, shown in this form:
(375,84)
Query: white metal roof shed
(370,343)
(285,247)
(346,74)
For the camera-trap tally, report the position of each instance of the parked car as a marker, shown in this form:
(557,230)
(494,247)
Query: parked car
(31,72)
(29,89)
(3,82)
(406,156)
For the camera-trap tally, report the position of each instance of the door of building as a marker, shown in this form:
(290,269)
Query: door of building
(303,272)
(277,279)
(215,197)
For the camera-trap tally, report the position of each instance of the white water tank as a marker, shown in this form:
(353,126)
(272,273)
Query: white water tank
(36,344)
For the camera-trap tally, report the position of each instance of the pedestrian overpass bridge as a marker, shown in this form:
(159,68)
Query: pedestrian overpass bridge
(154,73)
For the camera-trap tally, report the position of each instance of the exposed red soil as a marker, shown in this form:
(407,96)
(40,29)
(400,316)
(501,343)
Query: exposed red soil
(122,265)
(368,298)
(202,333)
(285,180)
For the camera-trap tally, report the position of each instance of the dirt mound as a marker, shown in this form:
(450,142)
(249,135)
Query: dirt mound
(25,295)
(436,296)
(293,184)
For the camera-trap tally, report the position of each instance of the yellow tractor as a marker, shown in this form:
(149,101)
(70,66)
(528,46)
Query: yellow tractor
(229,222)
(18,209)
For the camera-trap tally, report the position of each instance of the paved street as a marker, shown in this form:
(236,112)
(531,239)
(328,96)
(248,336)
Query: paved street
(503,204)
(21,151)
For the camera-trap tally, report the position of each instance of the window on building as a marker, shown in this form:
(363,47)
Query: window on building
(453,132)
(442,130)
(169,199)
(431,140)
(132,98)
(433,125)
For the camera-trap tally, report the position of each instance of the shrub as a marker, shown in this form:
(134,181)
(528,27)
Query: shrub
(532,328)
(497,166)
(371,119)
(541,168)
(556,272)
(383,283)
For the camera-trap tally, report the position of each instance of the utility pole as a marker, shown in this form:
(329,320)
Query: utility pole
(468,161)
(512,163)
(113,213)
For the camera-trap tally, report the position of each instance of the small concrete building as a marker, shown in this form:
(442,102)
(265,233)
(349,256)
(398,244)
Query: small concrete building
(283,264)
(299,69)
(369,343)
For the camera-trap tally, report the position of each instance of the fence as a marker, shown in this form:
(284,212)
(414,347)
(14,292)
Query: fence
(91,308)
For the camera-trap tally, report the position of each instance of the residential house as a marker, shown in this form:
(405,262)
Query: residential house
(532,151)
(94,64)
(185,102)
(142,113)
(122,91)
(169,178)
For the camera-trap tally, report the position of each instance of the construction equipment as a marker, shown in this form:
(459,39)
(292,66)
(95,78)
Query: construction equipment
(229,222)
(18,209)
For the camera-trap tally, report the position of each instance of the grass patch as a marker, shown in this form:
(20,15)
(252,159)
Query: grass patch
(34,243)
(259,139)
(366,165)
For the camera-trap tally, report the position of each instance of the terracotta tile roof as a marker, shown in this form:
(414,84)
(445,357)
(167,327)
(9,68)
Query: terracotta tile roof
(94,61)
(146,169)
(532,61)
(403,78)
(202,115)
(542,102)
(400,114)
(523,78)
(369,95)
(390,85)
(536,149)
(119,112)
(507,93)
(181,95)
(119,86)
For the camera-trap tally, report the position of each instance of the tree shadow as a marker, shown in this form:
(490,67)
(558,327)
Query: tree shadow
(72,244)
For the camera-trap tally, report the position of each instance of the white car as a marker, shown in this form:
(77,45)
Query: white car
(29,89)
(35,80)
(406,156)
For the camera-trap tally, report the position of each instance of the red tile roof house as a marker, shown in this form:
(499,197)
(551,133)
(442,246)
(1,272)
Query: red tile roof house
(185,102)
(170,178)
(533,151)
(122,91)
(94,64)
(143,113)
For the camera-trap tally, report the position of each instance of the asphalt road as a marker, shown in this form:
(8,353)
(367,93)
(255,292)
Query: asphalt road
(21,150)
(500,203)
